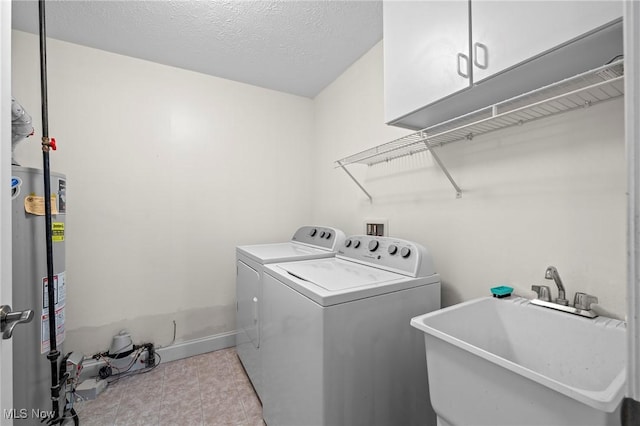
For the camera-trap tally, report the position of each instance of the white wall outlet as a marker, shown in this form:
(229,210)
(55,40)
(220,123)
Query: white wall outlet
(377,227)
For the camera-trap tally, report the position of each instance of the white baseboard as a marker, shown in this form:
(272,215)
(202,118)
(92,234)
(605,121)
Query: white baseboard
(174,352)
(197,346)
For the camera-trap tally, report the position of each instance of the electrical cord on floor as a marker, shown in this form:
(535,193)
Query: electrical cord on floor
(72,415)
(69,385)
(141,371)
(107,370)
(114,356)
(157,359)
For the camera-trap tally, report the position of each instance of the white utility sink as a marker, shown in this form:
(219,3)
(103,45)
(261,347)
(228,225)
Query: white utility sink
(507,362)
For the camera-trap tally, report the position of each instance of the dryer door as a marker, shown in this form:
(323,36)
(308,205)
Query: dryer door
(247,294)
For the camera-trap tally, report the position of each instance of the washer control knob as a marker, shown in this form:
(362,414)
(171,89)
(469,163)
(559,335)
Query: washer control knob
(313,232)
(322,234)
(373,245)
(328,235)
(347,243)
(393,249)
(405,252)
(356,244)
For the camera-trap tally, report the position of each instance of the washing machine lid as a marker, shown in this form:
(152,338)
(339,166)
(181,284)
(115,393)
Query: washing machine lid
(282,252)
(333,281)
(337,274)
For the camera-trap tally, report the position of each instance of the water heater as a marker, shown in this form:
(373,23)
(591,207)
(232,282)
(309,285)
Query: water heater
(31,368)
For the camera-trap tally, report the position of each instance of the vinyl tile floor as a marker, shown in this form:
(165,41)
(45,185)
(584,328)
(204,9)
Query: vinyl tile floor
(209,390)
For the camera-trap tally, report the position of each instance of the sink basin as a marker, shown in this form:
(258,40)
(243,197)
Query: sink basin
(508,362)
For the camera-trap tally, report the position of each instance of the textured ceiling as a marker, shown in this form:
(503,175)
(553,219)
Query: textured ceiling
(297,47)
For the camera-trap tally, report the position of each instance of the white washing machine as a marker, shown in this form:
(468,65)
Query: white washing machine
(308,242)
(337,347)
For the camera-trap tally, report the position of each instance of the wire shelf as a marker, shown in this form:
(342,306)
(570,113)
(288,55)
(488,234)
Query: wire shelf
(601,84)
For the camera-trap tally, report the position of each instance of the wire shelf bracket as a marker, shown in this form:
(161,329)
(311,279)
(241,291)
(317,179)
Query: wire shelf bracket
(583,90)
(443,168)
(355,180)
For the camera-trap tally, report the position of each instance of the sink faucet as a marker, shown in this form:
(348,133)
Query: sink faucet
(581,304)
(552,274)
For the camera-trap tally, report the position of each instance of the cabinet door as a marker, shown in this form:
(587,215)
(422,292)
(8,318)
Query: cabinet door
(507,33)
(422,44)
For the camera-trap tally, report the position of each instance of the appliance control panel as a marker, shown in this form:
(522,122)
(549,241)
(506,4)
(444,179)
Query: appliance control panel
(393,254)
(320,236)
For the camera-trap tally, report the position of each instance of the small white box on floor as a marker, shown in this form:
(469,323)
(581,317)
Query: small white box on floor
(90,389)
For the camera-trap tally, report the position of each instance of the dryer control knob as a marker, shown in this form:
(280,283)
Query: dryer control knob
(405,252)
(356,244)
(373,245)
(313,232)
(347,243)
(393,249)
(322,234)
(328,235)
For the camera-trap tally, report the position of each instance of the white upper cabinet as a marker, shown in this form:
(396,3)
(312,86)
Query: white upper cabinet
(507,33)
(446,58)
(425,45)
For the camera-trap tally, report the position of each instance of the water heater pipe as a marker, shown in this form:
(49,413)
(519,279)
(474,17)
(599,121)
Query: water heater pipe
(53,354)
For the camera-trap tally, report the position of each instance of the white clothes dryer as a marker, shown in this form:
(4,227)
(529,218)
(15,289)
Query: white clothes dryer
(308,242)
(337,345)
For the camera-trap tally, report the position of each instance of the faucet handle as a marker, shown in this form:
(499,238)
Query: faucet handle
(543,292)
(583,301)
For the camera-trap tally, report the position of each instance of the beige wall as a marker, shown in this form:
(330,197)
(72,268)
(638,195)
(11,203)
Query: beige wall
(168,170)
(546,193)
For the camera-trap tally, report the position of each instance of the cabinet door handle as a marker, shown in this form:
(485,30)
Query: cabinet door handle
(476,55)
(463,73)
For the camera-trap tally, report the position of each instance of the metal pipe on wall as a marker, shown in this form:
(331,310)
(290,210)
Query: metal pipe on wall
(53,354)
